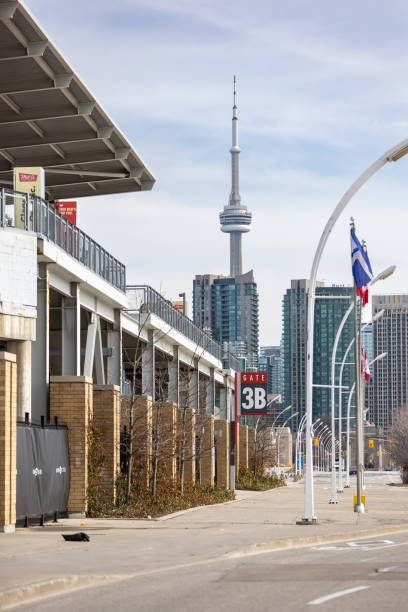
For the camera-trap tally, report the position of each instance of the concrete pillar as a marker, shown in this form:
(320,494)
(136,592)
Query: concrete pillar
(174,377)
(222,443)
(224,403)
(94,351)
(149,368)
(71,400)
(207,451)
(8,441)
(210,394)
(71,333)
(106,417)
(243,447)
(40,368)
(194,387)
(114,360)
(22,351)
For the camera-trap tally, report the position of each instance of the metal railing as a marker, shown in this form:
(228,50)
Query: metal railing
(144,299)
(31,213)
(231,362)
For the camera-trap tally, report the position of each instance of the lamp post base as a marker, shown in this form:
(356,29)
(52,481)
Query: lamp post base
(359,508)
(305,521)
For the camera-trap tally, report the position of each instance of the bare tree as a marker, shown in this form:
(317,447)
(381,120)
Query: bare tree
(399,447)
(264,455)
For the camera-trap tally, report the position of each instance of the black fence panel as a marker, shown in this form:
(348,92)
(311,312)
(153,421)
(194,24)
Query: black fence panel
(42,471)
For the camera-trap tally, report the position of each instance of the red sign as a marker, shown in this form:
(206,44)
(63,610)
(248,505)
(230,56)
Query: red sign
(27,178)
(253,395)
(254,377)
(67,210)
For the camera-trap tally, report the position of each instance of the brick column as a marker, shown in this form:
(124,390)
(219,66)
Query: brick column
(8,441)
(71,400)
(243,447)
(207,450)
(165,421)
(251,447)
(186,435)
(222,444)
(106,417)
(141,433)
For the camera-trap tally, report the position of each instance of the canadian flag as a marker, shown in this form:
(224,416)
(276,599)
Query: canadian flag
(365,367)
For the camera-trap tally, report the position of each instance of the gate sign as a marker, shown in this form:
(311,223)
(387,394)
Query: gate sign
(253,396)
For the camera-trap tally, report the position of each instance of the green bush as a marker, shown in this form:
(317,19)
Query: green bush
(257,481)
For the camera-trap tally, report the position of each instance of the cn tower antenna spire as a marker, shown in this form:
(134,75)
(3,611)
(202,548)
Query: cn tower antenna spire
(235,218)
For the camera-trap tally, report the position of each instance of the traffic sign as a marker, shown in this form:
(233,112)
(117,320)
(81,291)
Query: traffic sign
(253,396)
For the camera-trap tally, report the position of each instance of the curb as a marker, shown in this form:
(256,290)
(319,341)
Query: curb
(31,592)
(54,586)
(265,547)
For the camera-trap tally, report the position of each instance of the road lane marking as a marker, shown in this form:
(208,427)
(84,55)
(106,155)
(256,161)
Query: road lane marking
(325,598)
(383,570)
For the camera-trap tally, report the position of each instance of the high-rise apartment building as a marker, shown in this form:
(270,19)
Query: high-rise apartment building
(270,361)
(227,306)
(389,375)
(328,315)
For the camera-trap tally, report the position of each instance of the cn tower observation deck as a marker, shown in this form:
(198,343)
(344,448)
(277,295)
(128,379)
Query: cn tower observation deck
(235,219)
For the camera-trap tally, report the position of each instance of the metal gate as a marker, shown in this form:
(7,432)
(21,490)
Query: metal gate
(42,471)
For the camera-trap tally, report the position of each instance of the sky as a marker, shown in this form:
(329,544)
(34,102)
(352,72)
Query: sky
(322,93)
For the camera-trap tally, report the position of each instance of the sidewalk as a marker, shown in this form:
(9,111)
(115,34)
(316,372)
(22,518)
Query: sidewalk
(255,522)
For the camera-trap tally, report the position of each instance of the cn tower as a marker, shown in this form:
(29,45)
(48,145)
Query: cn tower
(235,219)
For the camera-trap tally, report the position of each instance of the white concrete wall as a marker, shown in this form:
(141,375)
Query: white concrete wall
(18,272)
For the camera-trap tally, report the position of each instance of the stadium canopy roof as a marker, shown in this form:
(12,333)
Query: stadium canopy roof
(49,118)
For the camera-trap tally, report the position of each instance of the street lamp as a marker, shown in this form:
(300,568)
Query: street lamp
(378,358)
(326,437)
(298,436)
(392,155)
(387,272)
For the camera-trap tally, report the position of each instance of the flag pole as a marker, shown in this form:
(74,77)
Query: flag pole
(359,507)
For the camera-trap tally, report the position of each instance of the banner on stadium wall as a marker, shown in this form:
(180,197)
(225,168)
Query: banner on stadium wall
(27,180)
(67,210)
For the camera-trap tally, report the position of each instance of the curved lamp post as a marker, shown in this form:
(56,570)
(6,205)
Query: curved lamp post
(347,485)
(392,155)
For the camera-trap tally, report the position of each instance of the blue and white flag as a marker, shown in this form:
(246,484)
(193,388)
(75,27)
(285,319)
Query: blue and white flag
(360,264)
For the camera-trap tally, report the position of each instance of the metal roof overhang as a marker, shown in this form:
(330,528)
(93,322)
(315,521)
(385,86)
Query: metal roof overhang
(49,118)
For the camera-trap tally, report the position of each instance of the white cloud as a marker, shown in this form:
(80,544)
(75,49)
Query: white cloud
(322,93)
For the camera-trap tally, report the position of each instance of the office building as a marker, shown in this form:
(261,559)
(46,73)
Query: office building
(270,362)
(228,308)
(328,315)
(389,375)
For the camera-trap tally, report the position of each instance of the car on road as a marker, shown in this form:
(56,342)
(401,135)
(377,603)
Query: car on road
(353,470)
(388,468)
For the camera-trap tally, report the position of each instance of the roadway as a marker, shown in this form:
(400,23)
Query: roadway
(231,556)
(355,575)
